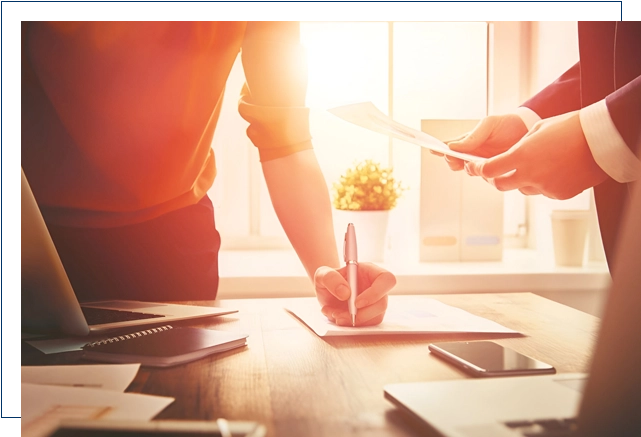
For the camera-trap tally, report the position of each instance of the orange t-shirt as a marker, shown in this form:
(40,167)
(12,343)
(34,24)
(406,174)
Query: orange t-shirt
(118,117)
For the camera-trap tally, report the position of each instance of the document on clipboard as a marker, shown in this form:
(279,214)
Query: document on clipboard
(367,115)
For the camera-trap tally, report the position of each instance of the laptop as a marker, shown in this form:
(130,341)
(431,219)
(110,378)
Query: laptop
(605,403)
(49,304)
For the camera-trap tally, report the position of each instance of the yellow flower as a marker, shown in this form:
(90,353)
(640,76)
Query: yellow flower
(367,186)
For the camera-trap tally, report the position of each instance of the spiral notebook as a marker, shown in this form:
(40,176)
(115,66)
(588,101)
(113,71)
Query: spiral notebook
(163,346)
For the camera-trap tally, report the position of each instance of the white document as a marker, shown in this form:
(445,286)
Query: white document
(105,376)
(405,315)
(57,345)
(370,117)
(43,406)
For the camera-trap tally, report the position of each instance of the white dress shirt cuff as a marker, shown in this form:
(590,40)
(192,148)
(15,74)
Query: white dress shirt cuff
(606,144)
(529,117)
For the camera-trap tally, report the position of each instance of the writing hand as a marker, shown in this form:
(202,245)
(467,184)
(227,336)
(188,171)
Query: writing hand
(332,291)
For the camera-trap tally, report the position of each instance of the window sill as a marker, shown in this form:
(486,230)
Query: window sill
(279,273)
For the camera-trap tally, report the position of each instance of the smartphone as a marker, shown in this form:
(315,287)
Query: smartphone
(486,358)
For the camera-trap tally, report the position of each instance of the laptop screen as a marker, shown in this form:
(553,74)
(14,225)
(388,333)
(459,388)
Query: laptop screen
(49,304)
(611,405)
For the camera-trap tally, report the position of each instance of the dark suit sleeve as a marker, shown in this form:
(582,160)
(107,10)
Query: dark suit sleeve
(561,96)
(624,106)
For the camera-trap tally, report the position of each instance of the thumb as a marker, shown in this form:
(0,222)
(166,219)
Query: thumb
(475,138)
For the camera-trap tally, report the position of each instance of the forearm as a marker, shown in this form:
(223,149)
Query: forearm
(611,129)
(561,96)
(301,200)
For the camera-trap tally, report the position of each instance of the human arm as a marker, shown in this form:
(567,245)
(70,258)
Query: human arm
(301,201)
(552,159)
(273,101)
(495,134)
(564,155)
(612,127)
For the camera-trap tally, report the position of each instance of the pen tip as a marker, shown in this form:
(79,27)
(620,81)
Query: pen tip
(353,320)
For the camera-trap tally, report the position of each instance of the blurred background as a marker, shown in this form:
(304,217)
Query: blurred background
(419,73)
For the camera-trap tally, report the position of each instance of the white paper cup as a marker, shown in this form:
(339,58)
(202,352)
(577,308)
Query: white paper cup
(569,234)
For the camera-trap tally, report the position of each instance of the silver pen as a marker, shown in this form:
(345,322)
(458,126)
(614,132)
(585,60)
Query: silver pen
(350,254)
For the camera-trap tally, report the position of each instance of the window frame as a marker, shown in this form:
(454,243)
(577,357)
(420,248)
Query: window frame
(507,42)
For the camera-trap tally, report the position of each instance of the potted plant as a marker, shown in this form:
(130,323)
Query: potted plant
(364,195)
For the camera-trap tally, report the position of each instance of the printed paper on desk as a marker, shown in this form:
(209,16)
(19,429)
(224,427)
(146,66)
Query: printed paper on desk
(405,315)
(370,117)
(105,376)
(44,405)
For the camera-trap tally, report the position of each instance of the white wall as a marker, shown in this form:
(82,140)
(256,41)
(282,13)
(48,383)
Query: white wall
(554,48)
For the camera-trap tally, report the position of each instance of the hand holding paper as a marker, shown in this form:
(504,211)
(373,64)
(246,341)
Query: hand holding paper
(368,116)
(492,136)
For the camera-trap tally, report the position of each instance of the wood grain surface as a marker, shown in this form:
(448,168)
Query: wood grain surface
(299,384)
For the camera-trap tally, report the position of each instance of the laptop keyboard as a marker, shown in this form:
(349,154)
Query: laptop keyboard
(99,316)
(544,427)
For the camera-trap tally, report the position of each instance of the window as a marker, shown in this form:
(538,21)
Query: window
(410,70)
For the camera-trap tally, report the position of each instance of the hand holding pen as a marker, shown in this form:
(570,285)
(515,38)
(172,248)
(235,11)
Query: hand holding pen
(372,284)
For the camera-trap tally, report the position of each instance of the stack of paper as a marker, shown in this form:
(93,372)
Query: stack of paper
(54,393)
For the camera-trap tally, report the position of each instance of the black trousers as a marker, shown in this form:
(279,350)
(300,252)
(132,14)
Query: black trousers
(172,257)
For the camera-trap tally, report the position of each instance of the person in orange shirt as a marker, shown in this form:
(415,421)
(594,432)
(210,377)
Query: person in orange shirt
(117,124)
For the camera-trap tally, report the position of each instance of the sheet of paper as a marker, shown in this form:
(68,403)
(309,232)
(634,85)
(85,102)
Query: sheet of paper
(105,376)
(405,315)
(57,345)
(370,117)
(44,405)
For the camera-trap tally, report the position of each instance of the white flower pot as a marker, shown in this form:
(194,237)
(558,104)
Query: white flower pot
(371,232)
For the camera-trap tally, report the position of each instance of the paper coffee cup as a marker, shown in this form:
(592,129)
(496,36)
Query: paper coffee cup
(569,234)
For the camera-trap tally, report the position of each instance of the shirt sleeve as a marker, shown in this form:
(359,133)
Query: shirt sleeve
(529,117)
(608,148)
(561,96)
(273,97)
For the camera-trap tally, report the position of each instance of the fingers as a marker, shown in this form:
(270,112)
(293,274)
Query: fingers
(329,311)
(514,180)
(371,303)
(331,281)
(492,167)
(529,191)
(454,163)
(507,182)
(475,138)
(368,316)
(380,283)
(459,138)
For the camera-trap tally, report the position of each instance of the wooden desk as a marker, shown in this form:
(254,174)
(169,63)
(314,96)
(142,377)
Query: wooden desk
(298,384)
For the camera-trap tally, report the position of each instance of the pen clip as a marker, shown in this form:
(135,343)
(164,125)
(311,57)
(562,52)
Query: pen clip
(345,248)
(349,245)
